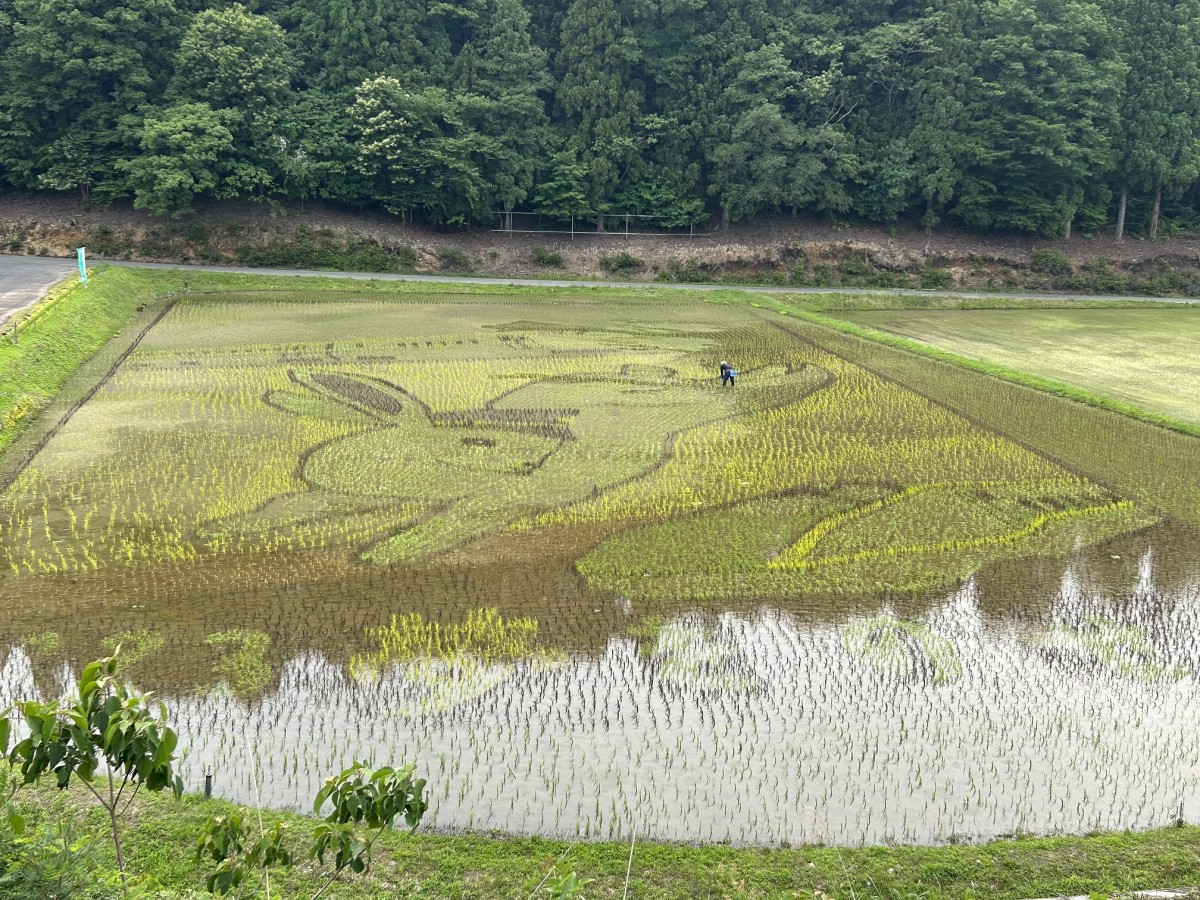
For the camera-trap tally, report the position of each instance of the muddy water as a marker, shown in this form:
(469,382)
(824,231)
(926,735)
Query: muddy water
(1041,696)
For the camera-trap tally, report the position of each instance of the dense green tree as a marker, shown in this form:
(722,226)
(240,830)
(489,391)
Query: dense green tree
(316,150)
(70,163)
(666,187)
(1050,80)
(418,152)
(996,114)
(7,15)
(451,26)
(69,72)
(509,62)
(885,61)
(754,164)
(510,76)
(348,41)
(562,192)
(184,149)
(683,56)
(938,107)
(239,63)
(231,58)
(784,145)
(885,185)
(1158,139)
(598,96)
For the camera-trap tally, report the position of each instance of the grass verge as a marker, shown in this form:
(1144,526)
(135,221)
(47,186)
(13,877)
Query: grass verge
(161,836)
(45,345)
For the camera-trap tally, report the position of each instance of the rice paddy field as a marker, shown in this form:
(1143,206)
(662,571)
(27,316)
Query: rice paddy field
(528,541)
(1147,357)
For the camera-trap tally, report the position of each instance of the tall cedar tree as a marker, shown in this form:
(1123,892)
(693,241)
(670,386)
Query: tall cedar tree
(511,77)
(598,96)
(1048,83)
(1158,140)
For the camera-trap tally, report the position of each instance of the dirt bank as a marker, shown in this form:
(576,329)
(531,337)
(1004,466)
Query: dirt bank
(806,251)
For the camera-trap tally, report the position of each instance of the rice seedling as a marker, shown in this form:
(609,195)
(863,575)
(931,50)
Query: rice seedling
(695,656)
(135,645)
(905,650)
(242,665)
(446,666)
(1122,649)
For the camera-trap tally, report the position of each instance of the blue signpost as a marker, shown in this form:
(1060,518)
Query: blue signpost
(80,252)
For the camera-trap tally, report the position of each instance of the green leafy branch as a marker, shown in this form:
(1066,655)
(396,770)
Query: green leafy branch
(110,737)
(359,798)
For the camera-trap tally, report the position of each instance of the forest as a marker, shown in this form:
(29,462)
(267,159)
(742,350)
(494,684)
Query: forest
(1040,116)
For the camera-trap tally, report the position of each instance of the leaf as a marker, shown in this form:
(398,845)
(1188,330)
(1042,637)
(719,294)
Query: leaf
(166,748)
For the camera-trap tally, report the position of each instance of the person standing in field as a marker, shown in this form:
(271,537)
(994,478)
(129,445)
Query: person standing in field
(728,374)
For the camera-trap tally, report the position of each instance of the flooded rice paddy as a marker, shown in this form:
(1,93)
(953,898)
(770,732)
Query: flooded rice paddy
(586,592)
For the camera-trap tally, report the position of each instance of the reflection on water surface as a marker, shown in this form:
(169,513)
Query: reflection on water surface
(1040,696)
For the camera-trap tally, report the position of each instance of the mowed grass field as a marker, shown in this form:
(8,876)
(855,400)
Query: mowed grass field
(1146,357)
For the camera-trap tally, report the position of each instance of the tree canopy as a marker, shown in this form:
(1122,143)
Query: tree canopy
(1034,115)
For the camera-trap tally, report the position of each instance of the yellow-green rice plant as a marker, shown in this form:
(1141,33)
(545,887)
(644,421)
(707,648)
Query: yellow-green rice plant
(136,644)
(242,663)
(696,657)
(444,665)
(1123,650)
(903,650)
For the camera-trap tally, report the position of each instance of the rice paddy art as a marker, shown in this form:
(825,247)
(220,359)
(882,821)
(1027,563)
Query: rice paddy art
(594,592)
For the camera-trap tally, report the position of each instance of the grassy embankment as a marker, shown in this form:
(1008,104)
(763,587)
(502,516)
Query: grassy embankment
(44,345)
(161,837)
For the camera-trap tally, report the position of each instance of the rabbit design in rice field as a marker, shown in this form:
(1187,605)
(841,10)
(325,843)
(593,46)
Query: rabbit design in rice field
(545,443)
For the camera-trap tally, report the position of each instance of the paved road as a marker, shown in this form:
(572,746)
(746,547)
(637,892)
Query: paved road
(63,266)
(23,279)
